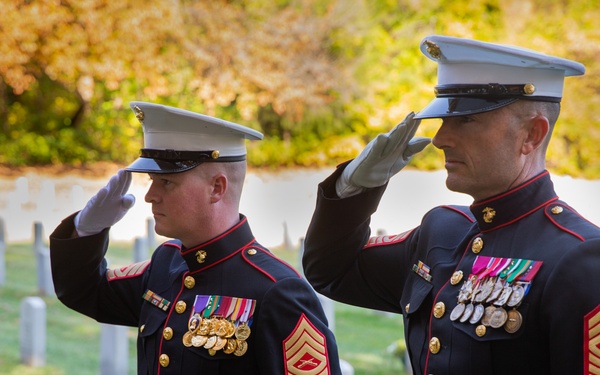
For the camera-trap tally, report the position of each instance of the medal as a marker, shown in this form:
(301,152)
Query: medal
(496,291)
(220,323)
(230,346)
(212,340)
(477,314)
(506,291)
(242,332)
(498,318)
(513,322)
(187,339)
(487,315)
(220,344)
(467,313)
(198,341)
(485,291)
(241,348)
(518,292)
(457,311)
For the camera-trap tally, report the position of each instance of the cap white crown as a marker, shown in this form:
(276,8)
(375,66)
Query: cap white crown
(466,61)
(170,128)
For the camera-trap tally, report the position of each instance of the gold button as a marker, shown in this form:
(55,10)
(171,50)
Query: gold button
(215,154)
(180,307)
(456,277)
(477,245)
(164,360)
(251,251)
(529,88)
(556,210)
(142,328)
(407,308)
(168,333)
(480,330)
(189,282)
(434,345)
(439,309)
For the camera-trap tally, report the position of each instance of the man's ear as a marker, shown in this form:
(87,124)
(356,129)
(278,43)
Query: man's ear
(219,187)
(538,128)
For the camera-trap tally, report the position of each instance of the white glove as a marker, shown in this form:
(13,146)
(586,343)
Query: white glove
(383,157)
(107,207)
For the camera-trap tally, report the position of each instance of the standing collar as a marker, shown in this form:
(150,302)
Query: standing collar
(511,206)
(219,248)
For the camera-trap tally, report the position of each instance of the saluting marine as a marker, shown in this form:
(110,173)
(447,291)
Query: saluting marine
(508,285)
(212,300)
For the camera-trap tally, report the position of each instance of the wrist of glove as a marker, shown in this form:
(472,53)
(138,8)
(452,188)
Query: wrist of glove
(107,207)
(382,158)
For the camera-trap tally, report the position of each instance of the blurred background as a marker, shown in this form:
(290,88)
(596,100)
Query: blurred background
(320,78)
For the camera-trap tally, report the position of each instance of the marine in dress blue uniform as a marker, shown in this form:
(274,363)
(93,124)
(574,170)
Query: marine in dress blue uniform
(224,306)
(508,285)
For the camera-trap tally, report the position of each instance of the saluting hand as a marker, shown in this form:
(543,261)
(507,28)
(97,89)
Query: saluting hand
(107,207)
(383,157)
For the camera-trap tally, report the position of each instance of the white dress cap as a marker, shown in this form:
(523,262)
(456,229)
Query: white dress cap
(176,140)
(475,76)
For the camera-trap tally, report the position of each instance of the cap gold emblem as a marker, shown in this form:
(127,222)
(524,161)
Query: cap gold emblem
(433,49)
(201,256)
(488,214)
(139,114)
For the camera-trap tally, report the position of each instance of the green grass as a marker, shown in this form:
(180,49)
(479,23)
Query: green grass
(73,340)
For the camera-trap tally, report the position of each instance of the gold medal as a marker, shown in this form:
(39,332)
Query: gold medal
(514,321)
(242,332)
(487,315)
(187,339)
(221,327)
(212,340)
(198,341)
(220,344)
(230,329)
(205,327)
(242,347)
(498,318)
(230,346)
